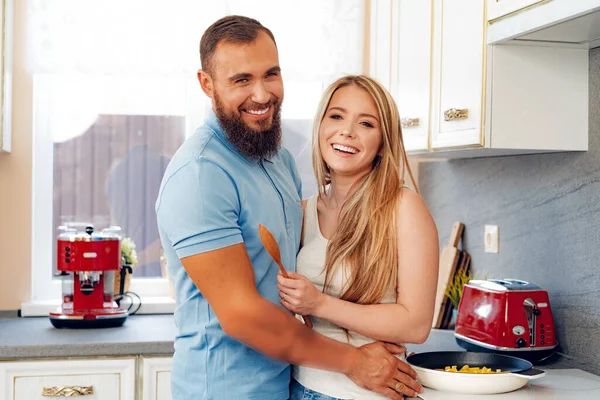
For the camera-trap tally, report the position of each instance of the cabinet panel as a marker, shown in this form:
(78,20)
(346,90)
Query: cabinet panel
(92,379)
(551,114)
(458,78)
(411,63)
(163,385)
(500,8)
(380,39)
(156,378)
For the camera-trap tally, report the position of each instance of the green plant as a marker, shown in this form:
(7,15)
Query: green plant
(454,290)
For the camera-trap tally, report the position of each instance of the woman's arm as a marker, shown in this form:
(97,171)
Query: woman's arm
(407,321)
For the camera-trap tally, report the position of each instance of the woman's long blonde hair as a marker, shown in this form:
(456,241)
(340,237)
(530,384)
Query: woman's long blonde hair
(365,241)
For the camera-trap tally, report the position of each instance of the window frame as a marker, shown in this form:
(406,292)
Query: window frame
(156,293)
(46,292)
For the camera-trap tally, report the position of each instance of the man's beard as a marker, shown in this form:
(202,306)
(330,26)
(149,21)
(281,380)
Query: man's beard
(251,143)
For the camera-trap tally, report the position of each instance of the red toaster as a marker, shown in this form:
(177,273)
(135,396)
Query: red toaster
(506,316)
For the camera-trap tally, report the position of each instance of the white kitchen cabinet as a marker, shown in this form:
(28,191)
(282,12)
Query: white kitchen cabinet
(400,59)
(574,23)
(500,8)
(486,100)
(457,79)
(490,100)
(502,99)
(411,61)
(97,379)
(156,378)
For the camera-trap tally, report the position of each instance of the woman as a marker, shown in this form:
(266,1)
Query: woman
(367,269)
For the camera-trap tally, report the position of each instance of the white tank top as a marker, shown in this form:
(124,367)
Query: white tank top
(311,263)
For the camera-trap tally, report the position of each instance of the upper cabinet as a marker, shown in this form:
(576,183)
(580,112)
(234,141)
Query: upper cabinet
(483,100)
(500,8)
(401,60)
(573,23)
(411,63)
(457,80)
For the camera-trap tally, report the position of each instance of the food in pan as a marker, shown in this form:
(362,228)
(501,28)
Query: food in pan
(470,370)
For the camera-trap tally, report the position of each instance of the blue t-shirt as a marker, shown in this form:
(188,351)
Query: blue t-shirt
(212,197)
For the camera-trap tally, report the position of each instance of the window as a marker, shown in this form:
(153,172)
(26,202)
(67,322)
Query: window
(115,94)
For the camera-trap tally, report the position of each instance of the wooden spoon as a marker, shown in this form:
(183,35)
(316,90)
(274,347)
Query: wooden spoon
(273,249)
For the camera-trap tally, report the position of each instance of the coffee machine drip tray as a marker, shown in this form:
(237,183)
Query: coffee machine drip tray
(85,319)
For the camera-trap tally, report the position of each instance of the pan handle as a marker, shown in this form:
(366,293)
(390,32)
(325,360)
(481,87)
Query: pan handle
(531,373)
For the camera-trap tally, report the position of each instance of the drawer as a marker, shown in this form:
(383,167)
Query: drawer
(96,379)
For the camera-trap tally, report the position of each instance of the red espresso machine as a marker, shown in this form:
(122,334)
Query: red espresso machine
(87,262)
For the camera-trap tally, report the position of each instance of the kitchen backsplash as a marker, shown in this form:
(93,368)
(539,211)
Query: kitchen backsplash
(547,208)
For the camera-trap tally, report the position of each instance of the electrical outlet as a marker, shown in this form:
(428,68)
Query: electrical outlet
(491,239)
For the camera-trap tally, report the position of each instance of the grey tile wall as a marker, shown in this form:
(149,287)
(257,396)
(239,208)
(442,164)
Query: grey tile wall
(547,207)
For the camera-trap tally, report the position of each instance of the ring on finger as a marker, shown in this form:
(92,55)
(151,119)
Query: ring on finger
(399,386)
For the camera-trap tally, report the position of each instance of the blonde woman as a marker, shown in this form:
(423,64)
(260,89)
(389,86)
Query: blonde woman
(367,269)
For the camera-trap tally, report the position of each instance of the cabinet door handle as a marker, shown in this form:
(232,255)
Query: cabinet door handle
(454,114)
(409,122)
(67,391)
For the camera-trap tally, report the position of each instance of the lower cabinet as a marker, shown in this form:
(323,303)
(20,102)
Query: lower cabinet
(156,378)
(94,379)
(126,378)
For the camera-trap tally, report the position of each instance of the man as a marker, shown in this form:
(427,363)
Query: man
(235,340)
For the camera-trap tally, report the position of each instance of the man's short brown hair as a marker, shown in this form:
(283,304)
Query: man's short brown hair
(231,29)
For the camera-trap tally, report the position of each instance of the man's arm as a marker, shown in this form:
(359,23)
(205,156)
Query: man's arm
(226,279)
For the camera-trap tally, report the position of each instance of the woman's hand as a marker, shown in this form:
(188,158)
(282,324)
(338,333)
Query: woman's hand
(299,295)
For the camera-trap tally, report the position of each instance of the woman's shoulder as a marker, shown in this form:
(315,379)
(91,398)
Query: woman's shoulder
(417,232)
(409,198)
(413,209)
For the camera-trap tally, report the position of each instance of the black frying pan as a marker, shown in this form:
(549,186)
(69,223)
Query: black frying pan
(516,372)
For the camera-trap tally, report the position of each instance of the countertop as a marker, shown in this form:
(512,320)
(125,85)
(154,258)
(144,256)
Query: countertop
(141,335)
(558,384)
(37,338)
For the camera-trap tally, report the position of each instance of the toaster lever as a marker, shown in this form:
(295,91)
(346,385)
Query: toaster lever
(531,312)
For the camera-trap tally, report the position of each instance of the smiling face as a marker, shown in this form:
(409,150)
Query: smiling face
(247,90)
(350,135)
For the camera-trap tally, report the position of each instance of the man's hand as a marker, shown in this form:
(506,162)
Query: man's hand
(377,369)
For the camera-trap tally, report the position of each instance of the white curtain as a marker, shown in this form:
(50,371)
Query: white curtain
(141,56)
(318,39)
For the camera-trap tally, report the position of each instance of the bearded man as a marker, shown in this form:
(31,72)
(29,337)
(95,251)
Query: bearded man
(235,340)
